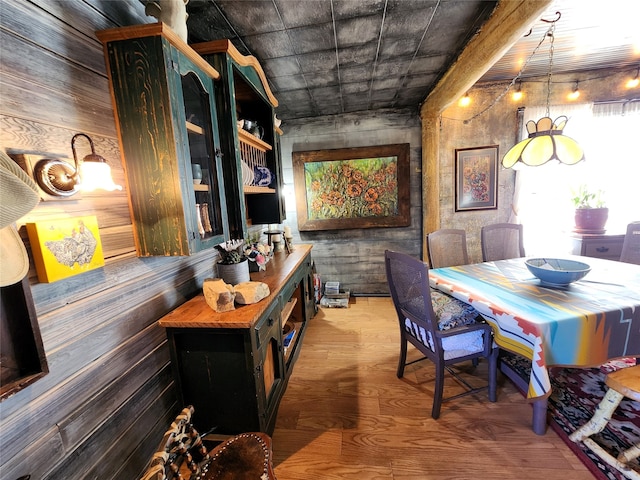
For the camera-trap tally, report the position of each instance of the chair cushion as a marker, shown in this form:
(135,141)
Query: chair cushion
(454,346)
(451,312)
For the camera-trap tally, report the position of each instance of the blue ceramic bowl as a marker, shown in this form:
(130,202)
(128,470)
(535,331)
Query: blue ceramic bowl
(557,272)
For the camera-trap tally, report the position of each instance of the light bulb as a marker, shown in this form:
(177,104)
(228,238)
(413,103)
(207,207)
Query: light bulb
(517,94)
(633,82)
(96,175)
(464,101)
(575,93)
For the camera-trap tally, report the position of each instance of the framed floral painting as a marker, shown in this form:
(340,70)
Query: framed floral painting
(352,187)
(476,178)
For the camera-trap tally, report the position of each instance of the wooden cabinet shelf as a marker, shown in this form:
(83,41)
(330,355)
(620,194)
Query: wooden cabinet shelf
(253,141)
(286,311)
(193,128)
(252,189)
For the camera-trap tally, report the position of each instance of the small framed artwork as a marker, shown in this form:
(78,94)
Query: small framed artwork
(476,178)
(287,245)
(65,247)
(360,187)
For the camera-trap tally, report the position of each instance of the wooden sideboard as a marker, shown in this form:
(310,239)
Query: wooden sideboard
(233,367)
(598,246)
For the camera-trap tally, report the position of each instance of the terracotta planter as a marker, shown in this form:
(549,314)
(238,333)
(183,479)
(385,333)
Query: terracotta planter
(235,273)
(591,220)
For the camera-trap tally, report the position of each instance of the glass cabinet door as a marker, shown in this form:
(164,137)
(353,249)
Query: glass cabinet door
(208,213)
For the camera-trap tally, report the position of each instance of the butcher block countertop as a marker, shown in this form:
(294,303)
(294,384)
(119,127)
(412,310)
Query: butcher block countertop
(195,313)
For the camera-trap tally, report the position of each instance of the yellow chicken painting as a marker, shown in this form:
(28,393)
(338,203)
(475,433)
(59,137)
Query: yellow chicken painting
(65,247)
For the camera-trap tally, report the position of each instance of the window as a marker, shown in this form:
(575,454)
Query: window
(608,133)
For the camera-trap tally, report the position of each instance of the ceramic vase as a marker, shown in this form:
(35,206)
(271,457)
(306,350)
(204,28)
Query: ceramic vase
(235,273)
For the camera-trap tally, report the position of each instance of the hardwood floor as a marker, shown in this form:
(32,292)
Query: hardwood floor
(346,415)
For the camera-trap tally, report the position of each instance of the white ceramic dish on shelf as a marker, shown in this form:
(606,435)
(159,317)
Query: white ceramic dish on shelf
(247,174)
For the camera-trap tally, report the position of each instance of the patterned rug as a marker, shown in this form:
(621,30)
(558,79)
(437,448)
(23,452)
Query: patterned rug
(576,395)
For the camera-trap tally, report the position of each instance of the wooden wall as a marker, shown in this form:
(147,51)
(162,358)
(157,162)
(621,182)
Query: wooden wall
(101,411)
(355,258)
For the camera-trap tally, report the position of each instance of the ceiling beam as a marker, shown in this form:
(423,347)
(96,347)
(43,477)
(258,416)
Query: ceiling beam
(508,23)
(510,20)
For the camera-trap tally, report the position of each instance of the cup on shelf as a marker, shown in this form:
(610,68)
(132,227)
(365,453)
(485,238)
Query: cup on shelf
(253,128)
(196,171)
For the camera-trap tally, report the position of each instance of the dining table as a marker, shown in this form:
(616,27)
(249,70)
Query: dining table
(584,324)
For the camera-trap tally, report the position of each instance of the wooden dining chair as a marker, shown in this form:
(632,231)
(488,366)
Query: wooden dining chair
(631,245)
(447,248)
(501,241)
(442,328)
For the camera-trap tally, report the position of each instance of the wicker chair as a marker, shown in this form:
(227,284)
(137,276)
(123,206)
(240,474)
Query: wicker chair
(447,248)
(631,245)
(501,241)
(443,329)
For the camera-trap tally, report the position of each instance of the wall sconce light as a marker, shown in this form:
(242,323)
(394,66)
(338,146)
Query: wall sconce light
(465,101)
(60,179)
(517,95)
(635,81)
(575,93)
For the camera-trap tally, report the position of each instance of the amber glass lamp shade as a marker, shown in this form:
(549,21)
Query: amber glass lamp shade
(545,143)
(93,170)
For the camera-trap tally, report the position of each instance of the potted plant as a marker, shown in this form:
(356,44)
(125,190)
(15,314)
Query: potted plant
(591,213)
(233,266)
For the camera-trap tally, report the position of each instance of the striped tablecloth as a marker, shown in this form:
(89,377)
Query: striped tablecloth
(585,324)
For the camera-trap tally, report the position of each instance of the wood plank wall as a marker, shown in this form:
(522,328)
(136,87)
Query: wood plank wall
(355,258)
(109,396)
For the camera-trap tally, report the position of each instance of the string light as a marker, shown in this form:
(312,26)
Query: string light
(517,95)
(465,101)
(635,81)
(575,93)
(516,78)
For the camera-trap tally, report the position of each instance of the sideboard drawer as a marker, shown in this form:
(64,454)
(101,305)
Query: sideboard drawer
(598,246)
(603,249)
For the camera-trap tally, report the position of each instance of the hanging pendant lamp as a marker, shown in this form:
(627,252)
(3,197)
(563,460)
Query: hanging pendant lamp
(546,141)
